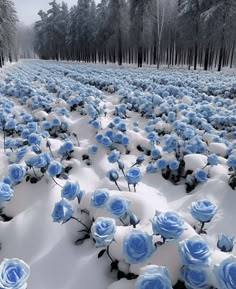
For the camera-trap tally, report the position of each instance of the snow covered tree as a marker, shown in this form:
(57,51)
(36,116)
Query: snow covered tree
(8,20)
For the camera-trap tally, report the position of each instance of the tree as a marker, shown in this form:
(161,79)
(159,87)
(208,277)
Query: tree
(8,20)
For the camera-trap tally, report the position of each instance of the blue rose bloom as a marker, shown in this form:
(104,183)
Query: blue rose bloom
(156,277)
(225,243)
(155,154)
(99,138)
(39,161)
(99,199)
(47,125)
(14,274)
(106,142)
(152,136)
(133,176)
(62,212)
(201,176)
(231,162)
(194,278)
(203,211)
(137,247)
(195,252)
(56,122)
(189,133)
(20,153)
(34,139)
(151,169)
(66,148)
(225,273)
(96,124)
(169,225)
(92,150)
(32,126)
(70,191)
(25,134)
(122,126)
(112,175)
(7,180)
(6,193)
(174,165)
(162,164)
(213,160)
(54,169)
(103,231)
(16,173)
(125,141)
(114,156)
(118,206)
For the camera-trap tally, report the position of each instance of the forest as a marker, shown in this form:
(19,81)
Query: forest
(194,33)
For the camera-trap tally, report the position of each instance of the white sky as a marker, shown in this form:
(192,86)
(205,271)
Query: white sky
(27,10)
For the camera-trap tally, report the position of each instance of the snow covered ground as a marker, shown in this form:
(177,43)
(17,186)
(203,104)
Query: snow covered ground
(168,115)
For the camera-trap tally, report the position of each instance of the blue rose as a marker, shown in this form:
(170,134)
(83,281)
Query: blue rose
(201,176)
(156,277)
(225,243)
(231,162)
(106,142)
(56,122)
(194,278)
(155,154)
(62,212)
(112,175)
(137,247)
(225,273)
(14,274)
(16,173)
(162,164)
(93,150)
(114,156)
(169,225)
(47,125)
(11,124)
(174,165)
(34,139)
(39,161)
(103,231)
(54,169)
(125,141)
(66,148)
(152,136)
(213,160)
(195,252)
(203,211)
(99,198)
(70,191)
(118,206)
(133,176)
(6,193)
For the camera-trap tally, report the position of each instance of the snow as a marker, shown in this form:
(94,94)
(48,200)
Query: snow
(48,247)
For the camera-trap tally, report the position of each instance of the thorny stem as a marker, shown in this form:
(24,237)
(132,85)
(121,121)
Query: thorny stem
(108,254)
(56,182)
(117,185)
(86,227)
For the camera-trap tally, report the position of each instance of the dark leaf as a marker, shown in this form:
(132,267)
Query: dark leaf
(101,253)
(120,275)
(27,178)
(33,180)
(114,265)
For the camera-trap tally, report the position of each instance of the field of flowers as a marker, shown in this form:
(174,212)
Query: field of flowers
(116,178)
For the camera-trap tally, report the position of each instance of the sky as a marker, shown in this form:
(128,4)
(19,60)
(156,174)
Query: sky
(27,10)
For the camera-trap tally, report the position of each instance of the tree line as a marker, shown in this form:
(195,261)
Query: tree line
(171,32)
(8,20)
